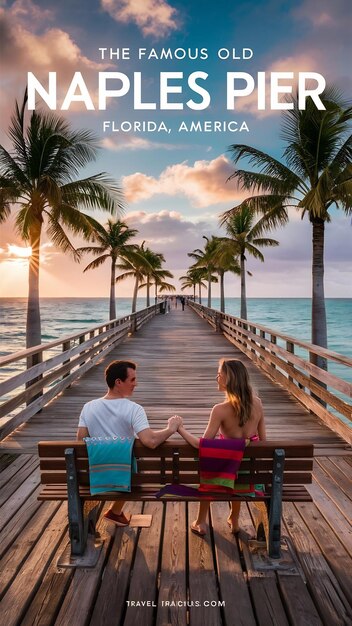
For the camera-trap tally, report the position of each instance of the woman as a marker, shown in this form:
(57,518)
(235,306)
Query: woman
(239,416)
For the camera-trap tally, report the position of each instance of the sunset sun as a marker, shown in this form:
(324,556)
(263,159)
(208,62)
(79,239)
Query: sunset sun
(19,252)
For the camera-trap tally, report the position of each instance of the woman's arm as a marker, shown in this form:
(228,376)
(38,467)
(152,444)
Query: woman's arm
(191,439)
(209,433)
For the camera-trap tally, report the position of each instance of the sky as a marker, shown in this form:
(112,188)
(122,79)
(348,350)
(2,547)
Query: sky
(175,180)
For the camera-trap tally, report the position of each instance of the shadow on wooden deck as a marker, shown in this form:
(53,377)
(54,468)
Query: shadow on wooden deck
(165,574)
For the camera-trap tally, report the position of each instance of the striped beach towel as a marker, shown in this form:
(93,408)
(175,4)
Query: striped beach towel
(219,467)
(219,462)
(111,463)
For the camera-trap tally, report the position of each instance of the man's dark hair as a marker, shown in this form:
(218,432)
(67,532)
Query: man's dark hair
(117,369)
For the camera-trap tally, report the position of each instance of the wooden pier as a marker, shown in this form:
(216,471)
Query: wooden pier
(164,574)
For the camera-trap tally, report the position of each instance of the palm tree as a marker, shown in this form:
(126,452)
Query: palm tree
(160,283)
(226,261)
(155,259)
(137,268)
(39,174)
(162,286)
(190,281)
(317,176)
(205,260)
(200,273)
(113,245)
(243,236)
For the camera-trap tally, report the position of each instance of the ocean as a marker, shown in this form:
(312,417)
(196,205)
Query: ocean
(67,316)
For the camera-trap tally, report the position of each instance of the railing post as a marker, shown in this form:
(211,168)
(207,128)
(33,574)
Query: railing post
(133,328)
(315,359)
(290,347)
(262,335)
(66,346)
(218,328)
(32,360)
(254,332)
(80,341)
(273,340)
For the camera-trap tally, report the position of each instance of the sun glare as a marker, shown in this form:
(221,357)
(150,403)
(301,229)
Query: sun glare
(20,253)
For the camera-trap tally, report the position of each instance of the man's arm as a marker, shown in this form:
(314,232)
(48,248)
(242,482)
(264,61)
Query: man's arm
(153,438)
(82,432)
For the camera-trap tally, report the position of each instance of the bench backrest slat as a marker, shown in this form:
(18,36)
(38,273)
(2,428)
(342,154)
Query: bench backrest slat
(262,449)
(48,464)
(189,478)
(178,462)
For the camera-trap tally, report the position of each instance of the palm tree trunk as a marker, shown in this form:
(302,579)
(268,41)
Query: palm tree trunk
(200,293)
(222,291)
(156,292)
(135,293)
(148,291)
(194,292)
(112,290)
(33,331)
(319,327)
(243,288)
(209,290)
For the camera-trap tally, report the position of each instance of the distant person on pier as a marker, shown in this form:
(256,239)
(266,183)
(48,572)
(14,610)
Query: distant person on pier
(115,415)
(240,416)
(183,303)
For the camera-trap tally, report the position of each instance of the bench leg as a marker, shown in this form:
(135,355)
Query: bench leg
(76,526)
(275,509)
(84,546)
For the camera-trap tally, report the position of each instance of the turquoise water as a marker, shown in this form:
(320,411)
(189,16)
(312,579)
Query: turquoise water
(69,316)
(66,316)
(292,316)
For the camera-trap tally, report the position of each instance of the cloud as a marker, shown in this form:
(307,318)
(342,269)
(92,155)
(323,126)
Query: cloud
(50,49)
(27,10)
(204,183)
(170,233)
(131,142)
(26,47)
(324,37)
(153,17)
(326,16)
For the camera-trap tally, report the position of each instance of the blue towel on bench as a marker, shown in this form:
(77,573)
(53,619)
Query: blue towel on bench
(111,463)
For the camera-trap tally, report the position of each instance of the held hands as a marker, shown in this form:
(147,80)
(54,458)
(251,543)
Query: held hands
(175,422)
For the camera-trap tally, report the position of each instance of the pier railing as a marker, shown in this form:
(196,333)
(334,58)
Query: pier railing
(288,361)
(46,370)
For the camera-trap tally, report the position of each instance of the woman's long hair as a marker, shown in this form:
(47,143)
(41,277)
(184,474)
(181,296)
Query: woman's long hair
(238,388)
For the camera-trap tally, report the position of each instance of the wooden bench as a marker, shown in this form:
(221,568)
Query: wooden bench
(283,467)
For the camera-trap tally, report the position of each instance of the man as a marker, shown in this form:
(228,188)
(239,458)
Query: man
(116,415)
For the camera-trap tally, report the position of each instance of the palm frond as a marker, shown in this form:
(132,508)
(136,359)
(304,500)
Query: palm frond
(60,239)
(97,262)
(254,252)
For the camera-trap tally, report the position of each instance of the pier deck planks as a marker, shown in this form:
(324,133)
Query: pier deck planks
(177,356)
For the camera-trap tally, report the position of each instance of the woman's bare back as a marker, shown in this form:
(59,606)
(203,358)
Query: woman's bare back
(230,427)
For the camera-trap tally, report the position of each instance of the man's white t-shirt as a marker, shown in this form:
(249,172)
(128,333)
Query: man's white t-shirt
(113,418)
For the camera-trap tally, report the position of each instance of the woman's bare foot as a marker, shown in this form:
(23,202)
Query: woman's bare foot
(198,529)
(235,529)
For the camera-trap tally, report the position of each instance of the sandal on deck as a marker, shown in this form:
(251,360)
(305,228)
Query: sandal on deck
(195,530)
(119,520)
